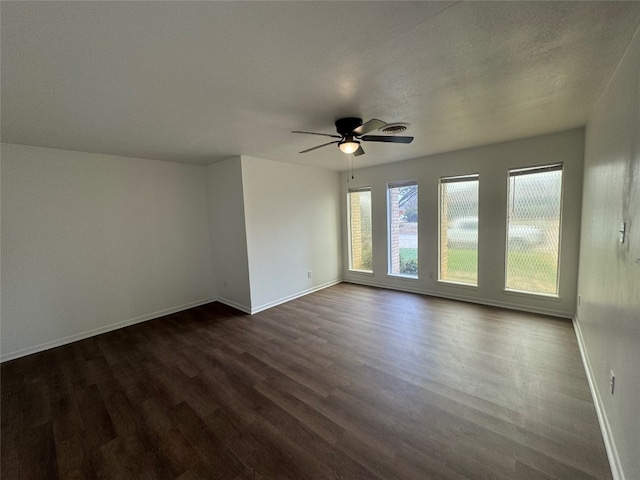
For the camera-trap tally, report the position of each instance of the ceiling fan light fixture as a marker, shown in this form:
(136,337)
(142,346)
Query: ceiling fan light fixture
(349,146)
(351,131)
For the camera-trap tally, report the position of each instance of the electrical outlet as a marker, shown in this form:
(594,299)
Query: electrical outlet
(225,284)
(578,300)
(430,275)
(612,382)
(309,274)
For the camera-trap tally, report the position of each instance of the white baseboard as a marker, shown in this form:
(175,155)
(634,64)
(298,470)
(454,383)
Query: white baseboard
(605,426)
(463,298)
(97,331)
(4,357)
(232,304)
(288,298)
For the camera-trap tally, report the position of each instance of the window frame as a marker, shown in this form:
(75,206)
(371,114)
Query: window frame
(392,185)
(456,179)
(349,230)
(521,171)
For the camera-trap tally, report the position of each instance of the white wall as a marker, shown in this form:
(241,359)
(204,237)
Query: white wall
(93,242)
(293,227)
(228,234)
(492,163)
(608,317)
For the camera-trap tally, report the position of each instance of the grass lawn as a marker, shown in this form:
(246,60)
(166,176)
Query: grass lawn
(528,271)
(532,271)
(462,266)
(408,254)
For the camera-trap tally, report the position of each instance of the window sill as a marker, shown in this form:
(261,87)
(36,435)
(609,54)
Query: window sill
(457,284)
(361,272)
(542,296)
(402,277)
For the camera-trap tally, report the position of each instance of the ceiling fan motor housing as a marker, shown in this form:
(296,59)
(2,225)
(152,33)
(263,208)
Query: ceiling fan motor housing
(345,126)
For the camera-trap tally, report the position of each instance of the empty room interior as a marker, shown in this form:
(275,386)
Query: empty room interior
(320,240)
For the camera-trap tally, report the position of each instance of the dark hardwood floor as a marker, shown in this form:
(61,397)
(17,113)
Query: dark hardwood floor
(347,383)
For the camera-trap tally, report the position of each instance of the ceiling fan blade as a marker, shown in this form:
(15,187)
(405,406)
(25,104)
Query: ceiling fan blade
(385,138)
(315,133)
(358,152)
(319,146)
(369,126)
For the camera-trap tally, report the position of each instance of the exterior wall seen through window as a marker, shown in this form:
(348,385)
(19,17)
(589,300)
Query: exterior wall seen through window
(360,238)
(402,214)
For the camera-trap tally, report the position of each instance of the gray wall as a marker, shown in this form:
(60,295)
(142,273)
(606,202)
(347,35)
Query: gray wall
(492,164)
(292,216)
(608,317)
(228,234)
(271,224)
(91,242)
(94,242)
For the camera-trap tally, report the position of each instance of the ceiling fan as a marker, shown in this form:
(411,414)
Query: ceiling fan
(352,131)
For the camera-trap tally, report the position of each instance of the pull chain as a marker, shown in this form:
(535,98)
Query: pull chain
(347,160)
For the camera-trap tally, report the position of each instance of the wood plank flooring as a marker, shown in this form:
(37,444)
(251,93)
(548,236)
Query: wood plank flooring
(347,383)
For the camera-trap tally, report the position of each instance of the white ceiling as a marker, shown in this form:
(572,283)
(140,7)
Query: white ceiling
(199,82)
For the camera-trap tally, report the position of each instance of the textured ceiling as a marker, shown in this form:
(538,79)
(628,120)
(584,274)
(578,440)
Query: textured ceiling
(199,82)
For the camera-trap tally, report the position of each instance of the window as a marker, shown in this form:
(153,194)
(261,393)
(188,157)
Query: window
(459,229)
(402,204)
(360,244)
(533,229)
